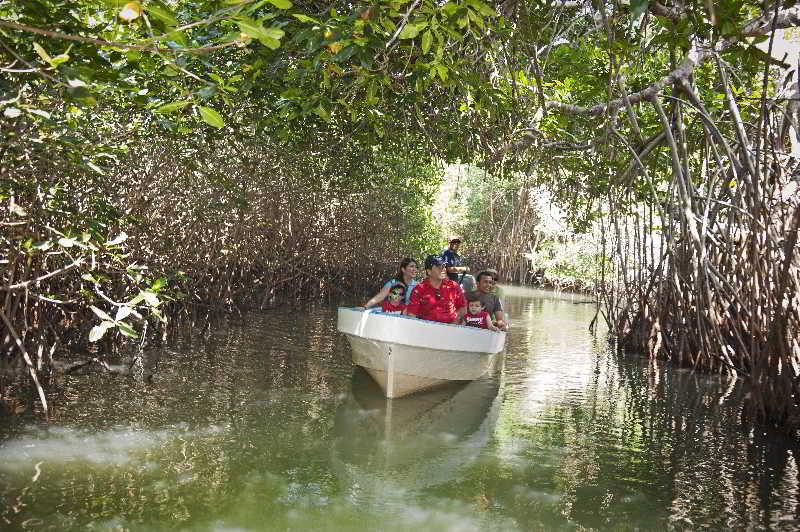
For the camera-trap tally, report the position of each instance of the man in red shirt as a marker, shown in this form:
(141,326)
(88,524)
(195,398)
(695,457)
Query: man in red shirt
(437,298)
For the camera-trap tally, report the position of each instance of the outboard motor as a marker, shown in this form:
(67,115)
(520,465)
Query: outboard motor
(468,283)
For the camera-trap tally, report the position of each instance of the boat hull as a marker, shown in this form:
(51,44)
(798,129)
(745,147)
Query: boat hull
(406,355)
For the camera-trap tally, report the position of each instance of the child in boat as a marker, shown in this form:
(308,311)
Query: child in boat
(476,316)
(395,301)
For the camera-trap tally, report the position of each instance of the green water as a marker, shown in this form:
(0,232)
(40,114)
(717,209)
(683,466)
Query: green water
(265,425)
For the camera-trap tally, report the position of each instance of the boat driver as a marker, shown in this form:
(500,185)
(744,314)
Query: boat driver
(455,264)
(437,298)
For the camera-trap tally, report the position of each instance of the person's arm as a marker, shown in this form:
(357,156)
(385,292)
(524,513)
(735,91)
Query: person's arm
(460,303)
(452,268)
(500,316)
(378,298)
(490,325)
(412,309)
(457,269)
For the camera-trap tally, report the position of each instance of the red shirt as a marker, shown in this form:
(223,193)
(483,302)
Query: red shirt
(388,307)
(481,319)
(441,305)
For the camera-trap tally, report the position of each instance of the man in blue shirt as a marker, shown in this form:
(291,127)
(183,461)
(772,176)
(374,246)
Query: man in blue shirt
(454,262)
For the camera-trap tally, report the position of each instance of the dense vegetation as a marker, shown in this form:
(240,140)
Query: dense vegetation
(162,156)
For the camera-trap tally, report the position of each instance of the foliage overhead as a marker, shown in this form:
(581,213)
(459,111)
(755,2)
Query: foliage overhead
(155,152)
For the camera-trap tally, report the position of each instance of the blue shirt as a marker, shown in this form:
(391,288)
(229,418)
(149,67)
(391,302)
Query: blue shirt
(409,288)
(451,258)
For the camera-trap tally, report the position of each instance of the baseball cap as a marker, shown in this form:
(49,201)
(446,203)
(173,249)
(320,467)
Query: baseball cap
(434,260)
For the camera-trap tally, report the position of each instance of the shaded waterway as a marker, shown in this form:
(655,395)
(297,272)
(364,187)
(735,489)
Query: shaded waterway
(265,425)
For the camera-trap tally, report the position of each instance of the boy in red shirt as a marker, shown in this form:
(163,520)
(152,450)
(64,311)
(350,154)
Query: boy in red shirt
(476,316)
(395,301)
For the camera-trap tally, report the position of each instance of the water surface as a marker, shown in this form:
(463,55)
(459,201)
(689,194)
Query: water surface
(264,424)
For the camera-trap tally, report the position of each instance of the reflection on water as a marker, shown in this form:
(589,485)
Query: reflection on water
(416,441)
(264,424)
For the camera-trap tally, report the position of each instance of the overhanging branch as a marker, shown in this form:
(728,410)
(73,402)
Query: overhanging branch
(113,44)
(759,26)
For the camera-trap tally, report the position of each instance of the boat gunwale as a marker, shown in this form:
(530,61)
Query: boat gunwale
(382,314)
(431,349)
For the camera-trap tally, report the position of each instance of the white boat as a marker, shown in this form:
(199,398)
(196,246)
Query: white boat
(405,355)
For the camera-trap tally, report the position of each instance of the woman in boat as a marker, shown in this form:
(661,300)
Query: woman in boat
(406,275)
(437,298)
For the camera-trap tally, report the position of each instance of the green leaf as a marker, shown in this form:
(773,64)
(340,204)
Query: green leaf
(42,52)
(119,239)
(274,33)
(158,315)
(482,8)
(123,312)
(427,39)
(94,167)
(17,210)
(162,13)
(409,31)
(101,314)
(269,37)
(98,331)
(450,8)
(59,59)
(127,330)
(176,37)
(322,113)
(305,18)
(150,298)
(269,42)
(249,27)
(39,113)
(281,4)
(211,117)
(172,107)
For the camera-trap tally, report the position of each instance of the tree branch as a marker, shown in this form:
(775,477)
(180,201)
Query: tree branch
(26,357)
(671,13)
(786,18)
(102,42)
(762,25)
(26,284)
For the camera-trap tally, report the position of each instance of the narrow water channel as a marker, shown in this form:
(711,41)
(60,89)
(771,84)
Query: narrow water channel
(265,425)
